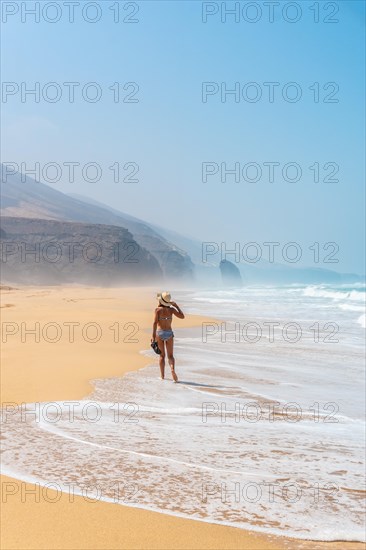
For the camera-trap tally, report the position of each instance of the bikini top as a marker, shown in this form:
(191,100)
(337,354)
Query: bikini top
(165,318)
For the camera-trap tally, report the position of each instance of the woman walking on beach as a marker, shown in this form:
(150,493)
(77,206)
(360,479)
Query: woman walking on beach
(162,330)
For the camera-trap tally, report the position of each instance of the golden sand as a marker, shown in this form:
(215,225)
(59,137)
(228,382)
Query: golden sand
(45,371)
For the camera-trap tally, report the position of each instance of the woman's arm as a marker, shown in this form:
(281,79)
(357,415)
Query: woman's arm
(155,324)
(179,313)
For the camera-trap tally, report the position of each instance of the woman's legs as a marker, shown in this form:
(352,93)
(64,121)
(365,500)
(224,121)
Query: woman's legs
(169,349)
(161,357)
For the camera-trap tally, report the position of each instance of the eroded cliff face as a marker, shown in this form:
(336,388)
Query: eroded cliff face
(177,266)
(23,197)
(37,251)
(230,274)
(174,262)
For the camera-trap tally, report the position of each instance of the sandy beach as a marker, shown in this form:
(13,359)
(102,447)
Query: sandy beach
(59,370)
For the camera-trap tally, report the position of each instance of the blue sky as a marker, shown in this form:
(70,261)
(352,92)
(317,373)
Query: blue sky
(169,133)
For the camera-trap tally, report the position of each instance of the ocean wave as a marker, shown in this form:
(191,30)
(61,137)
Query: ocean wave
(321,292)
(351,307)
(362,320)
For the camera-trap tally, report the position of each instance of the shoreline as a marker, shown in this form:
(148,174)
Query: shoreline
(39,383)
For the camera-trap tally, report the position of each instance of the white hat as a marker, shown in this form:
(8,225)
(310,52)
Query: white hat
(164,298)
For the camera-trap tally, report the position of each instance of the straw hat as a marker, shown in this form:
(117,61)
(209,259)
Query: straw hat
(164,298)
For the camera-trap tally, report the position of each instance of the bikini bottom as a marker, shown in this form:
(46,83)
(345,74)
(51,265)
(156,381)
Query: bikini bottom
(165,334)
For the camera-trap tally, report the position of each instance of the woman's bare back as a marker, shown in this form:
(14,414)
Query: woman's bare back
(164,317)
